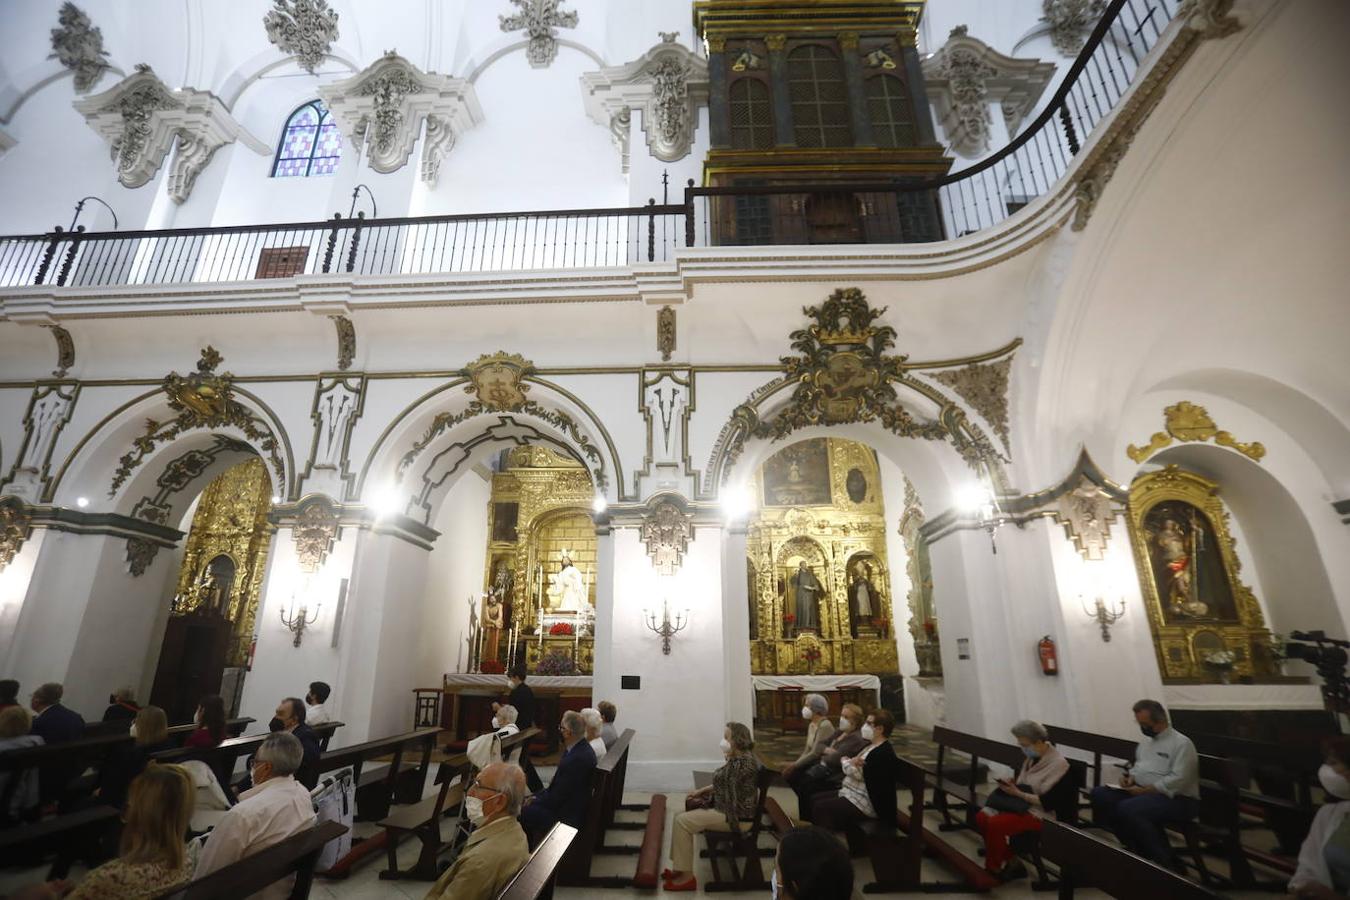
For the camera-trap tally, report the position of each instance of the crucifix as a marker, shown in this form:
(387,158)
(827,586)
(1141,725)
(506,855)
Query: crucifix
(539,19)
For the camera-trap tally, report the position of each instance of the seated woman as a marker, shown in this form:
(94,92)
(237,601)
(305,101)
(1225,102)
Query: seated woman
(1324,860)
(868,791)
(149,734)
(210,722)
(812,865)
(593,725)
(734,794)
(1020,803)
(14,725)
(826,775)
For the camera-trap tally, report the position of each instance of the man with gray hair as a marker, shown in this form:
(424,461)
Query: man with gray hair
(565,798)
(497,849)
(275,808)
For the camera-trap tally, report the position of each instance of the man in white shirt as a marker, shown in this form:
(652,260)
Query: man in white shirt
(315,712)
(1162,787)
(275,808)
(504,721)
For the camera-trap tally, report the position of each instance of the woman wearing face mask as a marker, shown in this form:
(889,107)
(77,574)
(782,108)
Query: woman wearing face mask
(818,734)
(827,775)
(210,722)
(149,734)
(734,794)
(1324,860)
(868,791)
(1020,803)
(811,865)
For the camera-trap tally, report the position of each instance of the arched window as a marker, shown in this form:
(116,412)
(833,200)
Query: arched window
(310,143)
(751,115)
(819,98)
(889,108)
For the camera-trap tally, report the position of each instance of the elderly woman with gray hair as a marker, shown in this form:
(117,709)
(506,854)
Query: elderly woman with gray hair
(1020,803)
(818,734)
(733,794)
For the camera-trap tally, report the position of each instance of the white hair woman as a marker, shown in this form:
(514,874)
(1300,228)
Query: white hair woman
(1021,803)
(594,722)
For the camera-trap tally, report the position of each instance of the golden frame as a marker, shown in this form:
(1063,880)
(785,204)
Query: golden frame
(1179,645)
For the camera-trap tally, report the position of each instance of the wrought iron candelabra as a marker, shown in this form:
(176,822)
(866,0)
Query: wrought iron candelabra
(1103,616)
(667,629)
(299,620)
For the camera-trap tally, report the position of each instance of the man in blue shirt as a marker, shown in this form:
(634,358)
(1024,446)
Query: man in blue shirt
(1162,787)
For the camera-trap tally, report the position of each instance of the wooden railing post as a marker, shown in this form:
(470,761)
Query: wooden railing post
(651,230)
(356,242)
(689,213)
(48,255)
(332,243)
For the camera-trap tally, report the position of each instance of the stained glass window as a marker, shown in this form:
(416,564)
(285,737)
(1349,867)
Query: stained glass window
(310,143)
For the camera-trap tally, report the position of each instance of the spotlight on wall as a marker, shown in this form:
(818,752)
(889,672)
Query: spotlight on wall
(736,502)
(977,500)
(81,502)
(385,502)
(599,504)
(276,498)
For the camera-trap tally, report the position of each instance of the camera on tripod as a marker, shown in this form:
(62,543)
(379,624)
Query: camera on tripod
(1327,655)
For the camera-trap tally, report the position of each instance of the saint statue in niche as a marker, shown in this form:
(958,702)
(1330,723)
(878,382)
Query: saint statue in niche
(566,588)
(806,591)
(864,603)
(1187,567)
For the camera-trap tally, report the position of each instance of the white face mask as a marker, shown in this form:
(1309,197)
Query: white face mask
(773,885)
(867,732)
(473,808)
(845,725)
(1334,782)
(496,723)
(806,713)
(132,731)
(725,745)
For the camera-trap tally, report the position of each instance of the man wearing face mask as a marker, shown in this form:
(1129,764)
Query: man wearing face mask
(1163,786)
(566,797)
(818,734)
(497,849)
(522,698)
(1324,860)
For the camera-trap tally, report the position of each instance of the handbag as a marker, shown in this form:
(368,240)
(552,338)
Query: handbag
(1002,801)
(701,801)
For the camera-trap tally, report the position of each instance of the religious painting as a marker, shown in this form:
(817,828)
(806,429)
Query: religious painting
(1207,625)
(504,519)
(1186,564)
(798,475)
(856,485)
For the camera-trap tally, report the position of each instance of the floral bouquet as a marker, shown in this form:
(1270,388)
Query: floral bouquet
(1221,661)
(556,663)
(790,619)
(492,667)
(808,648)
(562,629)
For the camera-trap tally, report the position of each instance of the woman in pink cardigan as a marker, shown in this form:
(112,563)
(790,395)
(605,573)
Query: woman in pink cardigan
(1019,804)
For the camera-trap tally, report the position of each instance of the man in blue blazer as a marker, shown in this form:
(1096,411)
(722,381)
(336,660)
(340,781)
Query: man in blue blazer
(568,794)
(55,725)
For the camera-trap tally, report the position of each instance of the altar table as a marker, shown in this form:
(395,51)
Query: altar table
(467,698)
(776,700)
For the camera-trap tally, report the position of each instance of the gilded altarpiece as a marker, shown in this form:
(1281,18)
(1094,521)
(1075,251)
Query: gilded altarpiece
(225,557)
(819,503)
(540,508)
(1207,625)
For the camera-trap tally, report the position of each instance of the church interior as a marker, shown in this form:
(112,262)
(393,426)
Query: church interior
(943,404)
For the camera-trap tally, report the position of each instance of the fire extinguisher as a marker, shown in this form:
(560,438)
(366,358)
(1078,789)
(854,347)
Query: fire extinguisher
(1049,659)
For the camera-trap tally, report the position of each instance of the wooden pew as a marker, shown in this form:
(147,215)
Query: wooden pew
(966,794)
(1087,862)
(615,764)
(535,881)
(910,822)
(77,835)
(222,759)
(896,863)
(423,818)
(377,787)
(742,845)
(1101,746)
(295,855)
(575,868)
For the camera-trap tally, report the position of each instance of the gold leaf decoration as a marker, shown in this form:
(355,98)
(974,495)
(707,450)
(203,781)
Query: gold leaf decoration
(1188,423)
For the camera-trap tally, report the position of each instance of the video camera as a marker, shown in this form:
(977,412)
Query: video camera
(1329,657)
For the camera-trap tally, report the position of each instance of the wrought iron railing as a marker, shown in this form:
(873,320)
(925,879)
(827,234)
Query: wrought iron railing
(973,198)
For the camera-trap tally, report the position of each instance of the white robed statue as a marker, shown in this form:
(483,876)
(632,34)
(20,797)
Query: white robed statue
(566,587)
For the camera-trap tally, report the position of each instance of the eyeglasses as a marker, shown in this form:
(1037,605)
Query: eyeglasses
(479,786)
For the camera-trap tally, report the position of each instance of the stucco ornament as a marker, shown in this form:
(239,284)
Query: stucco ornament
(78,46)
(383,107)
(667,85)
(143,120)
(540,19)
(985,387)
(305,29)
(666,532)
(1071,21)
(15,527)
(315,530)
(1187,422)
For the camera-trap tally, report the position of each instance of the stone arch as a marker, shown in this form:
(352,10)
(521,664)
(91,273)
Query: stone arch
(508,46)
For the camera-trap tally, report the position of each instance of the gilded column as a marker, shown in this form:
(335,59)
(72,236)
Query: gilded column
(918,92)
(857,94)
(719,109)
(784,136)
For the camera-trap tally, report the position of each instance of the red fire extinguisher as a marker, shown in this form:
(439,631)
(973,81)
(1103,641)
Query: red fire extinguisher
(1049,659)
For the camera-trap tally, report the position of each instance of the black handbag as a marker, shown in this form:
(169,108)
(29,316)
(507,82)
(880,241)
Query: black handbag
(1002,801)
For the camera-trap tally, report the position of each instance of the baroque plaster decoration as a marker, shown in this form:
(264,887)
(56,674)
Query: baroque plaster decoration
(142,120)
(180,472)
(346,335)
(665,332)
(666,532)
(338,403)
(382,108)
(667,84)
(78,46)
(985,387)
(140,555)
(966,76)
(315,530)
(305,29)
(539,19)
(1086,512)
(65,349)
(1209,18)
(1071,21)
(49,409)
(202,399)
(1187,422)
(15,527)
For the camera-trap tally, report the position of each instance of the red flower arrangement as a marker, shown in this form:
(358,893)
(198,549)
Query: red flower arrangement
(929,628)
(812,654)
(562,629)
(789,618)
(493,667)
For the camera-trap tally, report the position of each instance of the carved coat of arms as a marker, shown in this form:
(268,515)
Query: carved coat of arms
(666,531)
(497,380)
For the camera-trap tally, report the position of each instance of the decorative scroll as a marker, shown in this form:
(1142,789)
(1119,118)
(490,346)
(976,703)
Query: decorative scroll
(666,532)
(78,46)
(1187,422)
(15,527)
(305,29)
(665,332)
(346,335)
(314,531)
(539,19)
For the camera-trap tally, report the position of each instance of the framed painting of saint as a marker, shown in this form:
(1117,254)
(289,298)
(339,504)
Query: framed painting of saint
(1187,564)
(798,475)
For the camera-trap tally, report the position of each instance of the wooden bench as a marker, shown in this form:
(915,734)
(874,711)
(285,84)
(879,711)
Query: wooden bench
(377,787)
(295,855)
(222,759)
(897,862)
(1087,862)
(966,794)
(423,818)
(575,868)
(741,845)
(74,836)
(976,879)
(535,881)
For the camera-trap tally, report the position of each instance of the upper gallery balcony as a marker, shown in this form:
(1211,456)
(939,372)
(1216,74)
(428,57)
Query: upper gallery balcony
(906,208)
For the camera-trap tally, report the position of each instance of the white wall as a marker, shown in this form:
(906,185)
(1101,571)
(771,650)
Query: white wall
(454,573)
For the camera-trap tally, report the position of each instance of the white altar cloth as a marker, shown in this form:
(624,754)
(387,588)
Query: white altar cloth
(1242,696)
(498,682)
(815,682)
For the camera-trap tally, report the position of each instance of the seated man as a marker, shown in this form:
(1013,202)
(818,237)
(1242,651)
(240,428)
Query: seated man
(316,713)
(275,808)
(55,724)
(608,713)
(290,713)
(497,849)
(1162,787)
(122,706)
(565,798)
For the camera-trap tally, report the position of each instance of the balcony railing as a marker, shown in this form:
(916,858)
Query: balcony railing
(977,197)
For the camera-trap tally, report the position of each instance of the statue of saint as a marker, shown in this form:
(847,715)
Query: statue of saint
(863,602)
(493,621)
(806,590)
(209,594)
(1176,550)
(566,589)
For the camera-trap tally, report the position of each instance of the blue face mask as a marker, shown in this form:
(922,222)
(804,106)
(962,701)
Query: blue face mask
(1031,753)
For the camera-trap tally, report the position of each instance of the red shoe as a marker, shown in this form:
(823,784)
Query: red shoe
(690,885)
(667,874)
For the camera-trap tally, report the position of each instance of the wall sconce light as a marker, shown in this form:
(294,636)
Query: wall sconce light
(979,501)
(666,629)
(298,620)
(1103,616)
